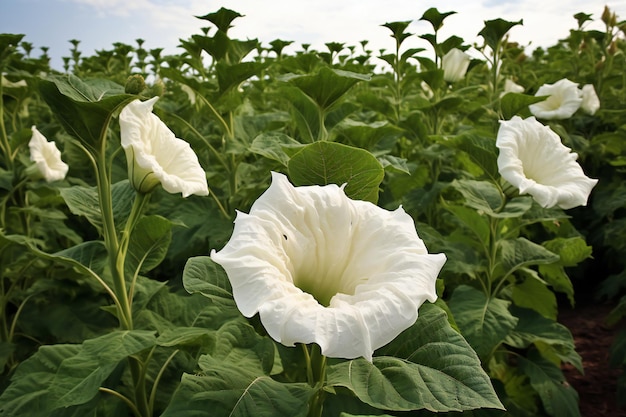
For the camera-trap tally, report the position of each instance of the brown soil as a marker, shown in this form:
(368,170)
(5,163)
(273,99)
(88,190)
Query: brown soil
(597,388)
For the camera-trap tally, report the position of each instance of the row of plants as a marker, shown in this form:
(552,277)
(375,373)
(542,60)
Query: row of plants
(404,234)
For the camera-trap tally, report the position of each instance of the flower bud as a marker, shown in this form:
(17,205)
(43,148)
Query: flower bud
(135,84)
(454,65)
(606,15)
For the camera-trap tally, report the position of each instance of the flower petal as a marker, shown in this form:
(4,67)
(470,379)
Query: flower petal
(564,100)
(533,159)
(321,268)
(47,157)
(154,148)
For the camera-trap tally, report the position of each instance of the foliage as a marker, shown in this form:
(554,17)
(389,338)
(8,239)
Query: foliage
(110,306)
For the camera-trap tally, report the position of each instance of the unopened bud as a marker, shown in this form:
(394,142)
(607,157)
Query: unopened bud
(600,65)
(606,15)
(612,48)
(135,84)
(157,89)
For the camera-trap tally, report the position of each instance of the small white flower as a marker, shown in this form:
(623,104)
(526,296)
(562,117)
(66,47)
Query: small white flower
(321,268)
(591,102)
(454,65)
(511,87)
(563,101)
(533,159)
(47,157)
(155,155)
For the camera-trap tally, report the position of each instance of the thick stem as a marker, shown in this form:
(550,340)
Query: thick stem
(316,368)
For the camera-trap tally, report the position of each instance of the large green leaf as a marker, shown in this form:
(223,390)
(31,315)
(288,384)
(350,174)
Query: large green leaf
(558,398)
(550,337)
(512,103)
(518,253)
(235,381)
(148,244)
(484,321)
(61,376)
(83,109)
(444,355)
(480,195)
(392,383)
(84,201)
(533,293)
(230,76)
(324,163)
(482,151)
(271,145)
(327,85)
(202,275)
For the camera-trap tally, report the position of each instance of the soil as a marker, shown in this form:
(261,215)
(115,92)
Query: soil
(597,388)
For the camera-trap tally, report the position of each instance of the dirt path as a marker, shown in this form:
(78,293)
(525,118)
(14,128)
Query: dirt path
(597,389)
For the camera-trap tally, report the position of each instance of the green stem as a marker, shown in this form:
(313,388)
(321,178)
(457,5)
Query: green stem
(126,401)
(111,242)
(141,199)
(4,138)
(157,379)
(316,367)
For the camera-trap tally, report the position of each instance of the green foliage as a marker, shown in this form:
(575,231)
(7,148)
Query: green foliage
(111,306)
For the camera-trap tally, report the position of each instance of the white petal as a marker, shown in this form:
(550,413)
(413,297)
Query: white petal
(47,157)
(563,101)
(155,149)
(321,268)
(591,102)
(533,159)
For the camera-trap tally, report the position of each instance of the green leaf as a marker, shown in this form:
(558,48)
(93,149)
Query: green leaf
(518,253)
(494,31)
(326,86)
(79,377)
(481,150)
(61,376)
(532,328)
(432,343)
(148,244)
(571,250)
(186,336)
(396,384)
(83,110)
(558,398)
(222,18)
(230,76)
(234,381)
(555,275)
(271,144)
(202,275)
(534,294)
(435,18)
(480,195)
(91,255)
(472,219)
(305,112)
(231,392)
(84,201)
(29,393)
(484,321)
(324,163)
(512,103)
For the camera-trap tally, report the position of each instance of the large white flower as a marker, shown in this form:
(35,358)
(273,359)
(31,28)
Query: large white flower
(321,268)
(563,101)
(533,159)
(591,102)
(47,157)
(455,64)
(155,155)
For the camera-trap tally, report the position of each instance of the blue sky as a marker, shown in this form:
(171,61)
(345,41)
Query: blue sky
(161,23)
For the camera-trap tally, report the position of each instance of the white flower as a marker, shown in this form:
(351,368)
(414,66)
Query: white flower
(511,87)
(533,159)
(455,64)
(563,101)
(155,155)
(47,157)
(591,102)
(321,268)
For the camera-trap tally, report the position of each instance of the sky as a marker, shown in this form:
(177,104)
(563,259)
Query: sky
(162,23)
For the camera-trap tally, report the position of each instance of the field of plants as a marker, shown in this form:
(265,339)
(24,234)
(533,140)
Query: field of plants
(235,230)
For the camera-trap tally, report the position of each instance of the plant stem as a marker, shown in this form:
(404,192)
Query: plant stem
(316,368)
